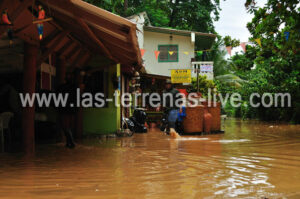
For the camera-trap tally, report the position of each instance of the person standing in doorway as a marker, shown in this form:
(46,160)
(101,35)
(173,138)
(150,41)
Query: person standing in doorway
(68,111)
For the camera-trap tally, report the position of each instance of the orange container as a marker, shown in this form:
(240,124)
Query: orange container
(216,115)
(207,119)
(193,122)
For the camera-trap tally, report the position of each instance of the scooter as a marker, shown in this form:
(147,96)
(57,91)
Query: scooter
(139,118)
(134,124)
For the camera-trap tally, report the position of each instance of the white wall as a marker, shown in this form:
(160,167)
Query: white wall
(151,42)
(140,21)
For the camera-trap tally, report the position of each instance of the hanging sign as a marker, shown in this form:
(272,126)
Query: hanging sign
(206,68)
(181,76)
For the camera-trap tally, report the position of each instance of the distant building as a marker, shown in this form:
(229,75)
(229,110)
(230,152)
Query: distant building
(176,47)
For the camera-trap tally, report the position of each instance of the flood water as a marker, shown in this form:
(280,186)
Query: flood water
(251,160)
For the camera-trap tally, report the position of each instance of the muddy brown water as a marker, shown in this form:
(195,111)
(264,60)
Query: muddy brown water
(251,160)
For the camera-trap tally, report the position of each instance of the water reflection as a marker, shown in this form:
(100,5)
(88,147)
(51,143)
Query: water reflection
(252,160)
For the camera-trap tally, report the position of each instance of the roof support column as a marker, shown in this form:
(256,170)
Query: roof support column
(61,79)
(79,114)
(29,81)
(62,70)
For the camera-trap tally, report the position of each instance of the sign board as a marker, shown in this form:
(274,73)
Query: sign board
(203,67)
(179,76)
(206,68)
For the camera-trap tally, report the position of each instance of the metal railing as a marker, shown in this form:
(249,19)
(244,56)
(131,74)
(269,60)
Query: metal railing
(203,68)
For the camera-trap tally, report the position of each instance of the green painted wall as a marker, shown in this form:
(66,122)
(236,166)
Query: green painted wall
(103,120)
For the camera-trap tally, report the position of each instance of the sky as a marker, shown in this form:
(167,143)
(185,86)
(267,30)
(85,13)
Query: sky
(233,20)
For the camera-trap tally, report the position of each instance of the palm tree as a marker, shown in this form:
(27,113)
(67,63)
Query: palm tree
(231,79)
(217,55)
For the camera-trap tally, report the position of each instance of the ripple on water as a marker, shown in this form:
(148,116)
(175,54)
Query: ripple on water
(250,160)
(231,141)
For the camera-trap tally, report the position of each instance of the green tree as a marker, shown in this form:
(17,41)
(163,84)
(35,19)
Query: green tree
(218,56)
(197,15)
(204,85)
(278,60)
(243,62)
(228,41)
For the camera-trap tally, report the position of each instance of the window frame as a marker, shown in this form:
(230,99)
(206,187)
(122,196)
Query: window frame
(162,61)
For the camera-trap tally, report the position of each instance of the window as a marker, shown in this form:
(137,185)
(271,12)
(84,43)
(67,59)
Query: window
(168,53)
(97,83)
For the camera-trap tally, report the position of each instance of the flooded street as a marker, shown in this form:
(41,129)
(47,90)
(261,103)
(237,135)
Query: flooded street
(251,160)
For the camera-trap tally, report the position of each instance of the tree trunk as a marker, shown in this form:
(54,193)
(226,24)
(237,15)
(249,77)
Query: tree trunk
(125,5)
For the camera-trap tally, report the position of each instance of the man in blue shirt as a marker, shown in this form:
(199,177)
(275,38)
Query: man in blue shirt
(180,116)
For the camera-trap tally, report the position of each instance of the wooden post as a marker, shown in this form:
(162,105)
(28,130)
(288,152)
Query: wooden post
(61,77)
(79,114)
(62,70)
(29,81)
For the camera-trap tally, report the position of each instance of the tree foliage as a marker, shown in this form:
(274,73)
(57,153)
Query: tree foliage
(204,85)
(276,64)
(231,42)
(197,15)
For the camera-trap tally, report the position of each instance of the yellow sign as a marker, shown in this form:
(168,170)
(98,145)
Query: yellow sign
(181,76)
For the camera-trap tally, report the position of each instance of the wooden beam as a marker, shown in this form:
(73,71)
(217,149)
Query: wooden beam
(85,60)
(115,50)
(72,52)
(118,51)
(101,12)
(61,71)
(43,20)
(105,22)
(70,36)
(23,6)
(69,22)
(29,81)
(49,50)
(125,45)
(125,56)
(78,36)
(70,48)
(133,38)
(27,38)
(50,38)
(73,57)
(77,59)
(65,47)
(21,29)
(90,33)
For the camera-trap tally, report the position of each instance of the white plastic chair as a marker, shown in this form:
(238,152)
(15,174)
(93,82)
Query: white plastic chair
(4,125)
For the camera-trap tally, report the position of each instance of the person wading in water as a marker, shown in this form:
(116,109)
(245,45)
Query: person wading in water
(170,108)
